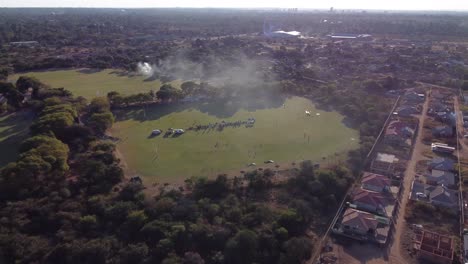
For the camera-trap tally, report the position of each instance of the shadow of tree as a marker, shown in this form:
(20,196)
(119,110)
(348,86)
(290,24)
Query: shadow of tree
(89,71)
(11,138)
(220,108)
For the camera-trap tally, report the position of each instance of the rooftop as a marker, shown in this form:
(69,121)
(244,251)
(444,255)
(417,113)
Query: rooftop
(387,158)
(375,180)
(442,177)
(399,128)
(359,219)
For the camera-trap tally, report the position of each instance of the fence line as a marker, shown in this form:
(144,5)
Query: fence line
(340,209)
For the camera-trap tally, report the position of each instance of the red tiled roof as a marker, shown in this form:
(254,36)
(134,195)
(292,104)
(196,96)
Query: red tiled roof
(359,219)
(375,199)
(396,128)
(375,180)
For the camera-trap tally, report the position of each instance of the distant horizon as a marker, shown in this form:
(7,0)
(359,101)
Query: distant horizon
(248,8)
(371,5)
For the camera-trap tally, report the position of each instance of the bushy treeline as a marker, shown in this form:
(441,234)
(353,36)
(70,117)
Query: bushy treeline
(64,201)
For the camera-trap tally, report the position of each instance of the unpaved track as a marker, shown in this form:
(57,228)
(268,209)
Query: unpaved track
(396,255)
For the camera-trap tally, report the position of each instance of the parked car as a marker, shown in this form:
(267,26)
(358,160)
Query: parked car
(421,195)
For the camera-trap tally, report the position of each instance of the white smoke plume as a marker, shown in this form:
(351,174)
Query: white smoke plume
(145,69)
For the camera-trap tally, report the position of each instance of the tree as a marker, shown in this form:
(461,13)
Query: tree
(134,253)
(193,258)
(465,86)
(297,250)
(4,74)
(242,248)
(54,118)
(189,87)
(88,223)
(100,122)
(168,92)
(14,97)
(25,82)
(99,105)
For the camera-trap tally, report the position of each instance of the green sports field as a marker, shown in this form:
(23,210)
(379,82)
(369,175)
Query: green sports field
(282,132)
(13,130)
(89,83)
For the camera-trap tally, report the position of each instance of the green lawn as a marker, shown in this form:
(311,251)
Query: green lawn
(282,133)
(13,130)
(89,83)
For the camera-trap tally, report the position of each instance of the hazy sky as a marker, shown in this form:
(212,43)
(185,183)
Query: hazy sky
(337,4)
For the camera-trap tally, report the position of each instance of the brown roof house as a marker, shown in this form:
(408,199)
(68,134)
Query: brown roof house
(373,202)
(399,133)
(384,164)
(375,182)
(364,226)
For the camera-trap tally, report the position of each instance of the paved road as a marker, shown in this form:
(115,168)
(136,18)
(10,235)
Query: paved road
(395,248)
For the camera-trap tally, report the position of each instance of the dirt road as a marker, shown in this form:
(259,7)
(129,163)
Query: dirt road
(463,146)
(395,247)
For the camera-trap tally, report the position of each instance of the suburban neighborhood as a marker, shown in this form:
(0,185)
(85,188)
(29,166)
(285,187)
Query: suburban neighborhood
(409,205)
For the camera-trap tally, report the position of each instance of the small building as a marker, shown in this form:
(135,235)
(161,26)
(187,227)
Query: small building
(359,222)
(442,148)
(399,133)
(407,111)
(439,107)
(24,43)
(438,177)
(373,202)
(364,226)
(443,131)
(414,97)
(384,164)
(435,195)
(434,247)
(375,182)
(446,117)
(440,163)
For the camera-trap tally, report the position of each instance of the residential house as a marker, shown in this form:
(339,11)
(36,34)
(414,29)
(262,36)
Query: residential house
(384,164)
(435,195)
(443,131)
(373,202)
(414,97)
(359,222)
(439,177)
(399,133)
(375,182)
(440,96)
(440,163)
(446,117)
(407,111)
(365,226)
(433,247)
(439,107)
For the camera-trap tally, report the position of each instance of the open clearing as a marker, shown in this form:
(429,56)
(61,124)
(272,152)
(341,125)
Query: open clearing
(91,83)
(282,132)
(13,129)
